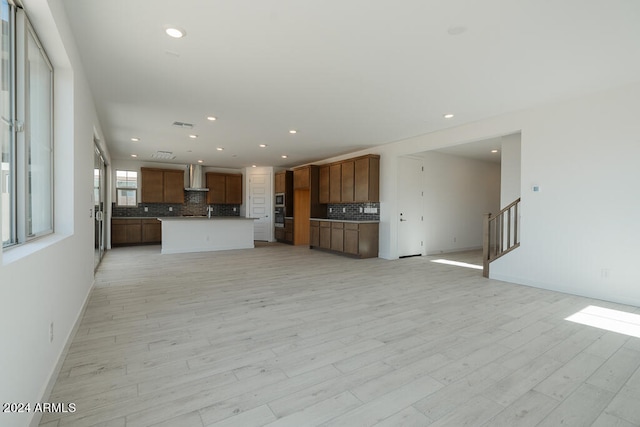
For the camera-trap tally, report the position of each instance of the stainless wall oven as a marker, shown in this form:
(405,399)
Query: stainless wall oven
(279,216)
(280,200)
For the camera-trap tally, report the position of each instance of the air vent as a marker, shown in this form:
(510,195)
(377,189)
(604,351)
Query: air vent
(183,125)
(164,155)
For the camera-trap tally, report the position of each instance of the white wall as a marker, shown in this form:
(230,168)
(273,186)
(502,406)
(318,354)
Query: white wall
(580,232)
(458,191)
(49,280)
(510,169)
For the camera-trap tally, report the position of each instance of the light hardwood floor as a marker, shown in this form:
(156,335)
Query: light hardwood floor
(287,336)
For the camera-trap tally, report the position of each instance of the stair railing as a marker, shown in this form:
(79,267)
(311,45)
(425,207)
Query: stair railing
(501,234)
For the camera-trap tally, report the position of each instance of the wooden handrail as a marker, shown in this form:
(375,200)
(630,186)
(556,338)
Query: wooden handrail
(500,238)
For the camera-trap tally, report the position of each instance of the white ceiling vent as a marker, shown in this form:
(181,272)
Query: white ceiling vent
(183,125)
(164,155)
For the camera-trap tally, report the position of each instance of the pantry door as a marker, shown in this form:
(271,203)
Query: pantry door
(260,206)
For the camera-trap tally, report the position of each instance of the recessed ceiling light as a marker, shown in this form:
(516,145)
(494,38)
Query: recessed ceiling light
(293,131)
(219,148)
(212,118)
(200,161)
(494,151)
(253,166)
(135,139)
(176,33)
(284,156)
(262,145)
(192,136)
(448,116)
(134,155)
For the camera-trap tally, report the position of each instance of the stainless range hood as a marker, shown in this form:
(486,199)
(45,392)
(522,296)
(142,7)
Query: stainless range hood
(195,179)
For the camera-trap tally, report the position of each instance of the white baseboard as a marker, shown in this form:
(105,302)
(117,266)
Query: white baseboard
(37,416)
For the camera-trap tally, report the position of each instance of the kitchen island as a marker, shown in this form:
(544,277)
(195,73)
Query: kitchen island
(202,234)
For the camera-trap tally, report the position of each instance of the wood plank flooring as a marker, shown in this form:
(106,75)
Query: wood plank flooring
(286,336)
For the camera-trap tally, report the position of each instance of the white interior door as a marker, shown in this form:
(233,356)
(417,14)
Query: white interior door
(410,207)
(260,206)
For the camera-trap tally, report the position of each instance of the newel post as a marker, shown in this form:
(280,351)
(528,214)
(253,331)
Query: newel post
(485,245)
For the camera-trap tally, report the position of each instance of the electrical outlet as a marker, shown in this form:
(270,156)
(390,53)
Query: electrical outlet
(360,209)
(330,210)
(146,209)
(344,210)
(51,332)
(235,209)
(170,208)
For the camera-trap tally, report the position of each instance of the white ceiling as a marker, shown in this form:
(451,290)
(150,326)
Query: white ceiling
(346,74)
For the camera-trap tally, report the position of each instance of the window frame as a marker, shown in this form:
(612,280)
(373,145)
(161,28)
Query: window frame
(21,34)
(118,188)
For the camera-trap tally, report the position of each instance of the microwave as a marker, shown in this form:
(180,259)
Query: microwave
(280,199)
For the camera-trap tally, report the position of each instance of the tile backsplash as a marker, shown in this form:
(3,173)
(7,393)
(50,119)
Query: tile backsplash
(354,211)
(195,205)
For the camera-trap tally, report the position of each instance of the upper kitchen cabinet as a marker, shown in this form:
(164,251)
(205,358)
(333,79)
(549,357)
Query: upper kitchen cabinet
(302,178)
(224,189)
(335,177)
(348,181)
(367,179)
(233,188)
(162,185)
(323,184)
(280,179)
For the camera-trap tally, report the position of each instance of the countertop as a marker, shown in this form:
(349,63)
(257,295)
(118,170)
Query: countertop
(345,220)
(204,218)
(134,217)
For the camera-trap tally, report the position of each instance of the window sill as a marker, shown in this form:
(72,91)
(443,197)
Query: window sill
(16,253)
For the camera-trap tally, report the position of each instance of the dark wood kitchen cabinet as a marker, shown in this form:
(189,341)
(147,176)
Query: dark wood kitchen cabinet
(306,202)
(233,189)
(224,188)
(314,238)
(347,181)
(358,239)
(162,185)
(323,184)
(135,231)
(126,232)
(337,236)
(335,182)
(151,231)
(302,178)
(367,179)
(325,235)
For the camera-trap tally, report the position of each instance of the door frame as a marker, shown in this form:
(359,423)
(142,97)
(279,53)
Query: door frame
(420,229)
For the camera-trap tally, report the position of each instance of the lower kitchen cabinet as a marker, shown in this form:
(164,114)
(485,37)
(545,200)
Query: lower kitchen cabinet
(288,230)
(135,231)
(337,236)
(285,234)
(151,231)
(325,235)
(314,238)
(359,239)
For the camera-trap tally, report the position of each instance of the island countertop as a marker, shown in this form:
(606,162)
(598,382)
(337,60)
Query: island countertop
(205,218)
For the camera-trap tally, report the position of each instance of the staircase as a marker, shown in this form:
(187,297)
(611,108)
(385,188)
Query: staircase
(501,234)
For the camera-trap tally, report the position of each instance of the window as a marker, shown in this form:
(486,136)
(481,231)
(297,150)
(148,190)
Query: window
(7,146)
(126,188)
(26,106)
